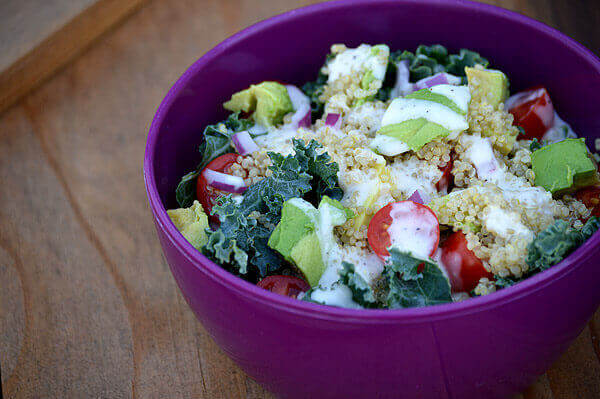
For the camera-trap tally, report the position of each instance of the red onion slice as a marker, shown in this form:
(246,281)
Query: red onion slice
(243,143)
(301,104)
(224,182)
(441,78)
(333,120)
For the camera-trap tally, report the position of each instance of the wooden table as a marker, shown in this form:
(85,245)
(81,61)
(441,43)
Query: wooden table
(88,307)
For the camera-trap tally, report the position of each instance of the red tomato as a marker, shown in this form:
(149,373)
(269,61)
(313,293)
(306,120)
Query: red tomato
(590,196)
(208,197)
(447,178)
(284,285)
(533,111)
(413,226)
(463,267)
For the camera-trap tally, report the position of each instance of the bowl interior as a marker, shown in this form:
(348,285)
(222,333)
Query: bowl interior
(292,47)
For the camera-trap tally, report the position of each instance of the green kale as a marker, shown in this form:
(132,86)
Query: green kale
(362,293)
(550,247)
(319,166)
(314,90)
(429,60)
(535,145)
(408,287)
(246,226)
(217,141)
(185,193)
(556,242)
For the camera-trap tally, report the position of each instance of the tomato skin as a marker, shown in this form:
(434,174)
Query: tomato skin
(463,267)
(377,232)
(284,285)
(447,179)
(533,111)
(206,197)
(590,196)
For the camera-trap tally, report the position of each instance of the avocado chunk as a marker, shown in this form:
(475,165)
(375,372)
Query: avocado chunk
(307,256)
(269,102)
(414,132)
(304,236)
(192,223)
(297,221)
(487,85)
(564,167)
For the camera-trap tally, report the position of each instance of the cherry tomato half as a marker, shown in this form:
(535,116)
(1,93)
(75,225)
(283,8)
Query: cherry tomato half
(208,197)
(412,226)
(533,111)
(447,179)
(463,267)
(590,196)
(284,285)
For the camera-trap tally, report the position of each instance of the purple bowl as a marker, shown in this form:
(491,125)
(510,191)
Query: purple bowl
(489,347)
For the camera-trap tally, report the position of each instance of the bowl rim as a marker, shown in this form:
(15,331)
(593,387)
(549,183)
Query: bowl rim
(362,316)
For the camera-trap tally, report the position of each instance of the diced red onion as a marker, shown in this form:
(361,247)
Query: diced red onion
(301,104)
(416,197)
(224,182)
(306,120)
(243,143)
(333,120)
(441,78)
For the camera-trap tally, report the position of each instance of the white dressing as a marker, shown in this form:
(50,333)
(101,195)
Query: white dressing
(412,230)
(362,58)
(338,295)
(401,110)
(459,95)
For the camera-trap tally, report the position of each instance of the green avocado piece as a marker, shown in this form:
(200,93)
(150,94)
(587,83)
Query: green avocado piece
(428,95)
(297,221)
(269,102)
(564,166)
(192,223)
(487,85)
(307,257)
(414,132)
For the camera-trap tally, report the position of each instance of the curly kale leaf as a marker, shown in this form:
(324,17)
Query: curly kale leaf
(429,60)
(457,63)
(247,225)
(314,90)
(217,141)
(185,193)
(556,242)
(408,287)
(321,168)
(362,293)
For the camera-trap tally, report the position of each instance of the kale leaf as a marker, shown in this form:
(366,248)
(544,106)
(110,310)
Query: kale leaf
(246,226)
(535,145)
(320,167)
(408,287)
(217,141)
(314,90)
(429,60)
(556,242)
(362,293)
(550,247)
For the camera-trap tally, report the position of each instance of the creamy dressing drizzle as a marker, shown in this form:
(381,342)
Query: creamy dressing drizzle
(402,109)
(411,231)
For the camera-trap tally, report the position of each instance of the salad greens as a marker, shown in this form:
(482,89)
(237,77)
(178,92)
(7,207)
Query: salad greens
(245,227)
(217,141)
(362,293)
(429,60)
(551,246)
(409,287)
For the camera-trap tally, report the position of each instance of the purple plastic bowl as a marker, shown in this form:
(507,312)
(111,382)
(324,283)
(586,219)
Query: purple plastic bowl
(489,347)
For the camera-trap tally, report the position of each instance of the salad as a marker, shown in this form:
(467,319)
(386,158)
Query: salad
(395,179)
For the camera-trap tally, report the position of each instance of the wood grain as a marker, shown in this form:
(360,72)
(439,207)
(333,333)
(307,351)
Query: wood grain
(88,306)
(39,37)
